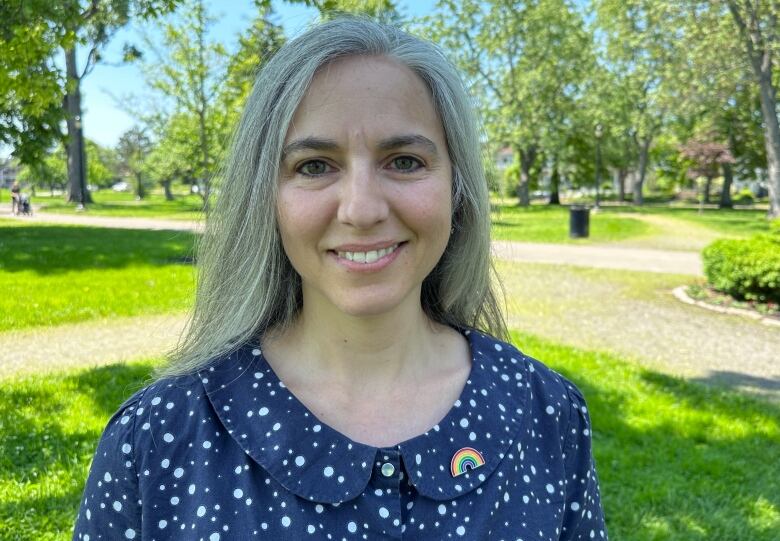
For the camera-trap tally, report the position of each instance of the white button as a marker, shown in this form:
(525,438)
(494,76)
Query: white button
(388,469)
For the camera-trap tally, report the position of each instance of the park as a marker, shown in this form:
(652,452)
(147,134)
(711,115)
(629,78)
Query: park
(666,313)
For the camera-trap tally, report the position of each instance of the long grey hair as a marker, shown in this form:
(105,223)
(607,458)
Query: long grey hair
(246,284)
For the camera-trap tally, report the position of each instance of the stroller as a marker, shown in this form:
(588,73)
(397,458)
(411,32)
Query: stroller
(24,206)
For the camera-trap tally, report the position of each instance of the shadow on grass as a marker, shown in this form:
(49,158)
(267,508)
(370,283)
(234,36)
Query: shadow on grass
(49,430)
(738,381)
(48,249)
(679,460)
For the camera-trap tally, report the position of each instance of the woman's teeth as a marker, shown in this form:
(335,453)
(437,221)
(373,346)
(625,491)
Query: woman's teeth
(367,257)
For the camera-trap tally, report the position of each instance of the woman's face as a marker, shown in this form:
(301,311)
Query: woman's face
(364,202)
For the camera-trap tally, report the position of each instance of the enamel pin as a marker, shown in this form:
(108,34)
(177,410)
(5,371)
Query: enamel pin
(464,460)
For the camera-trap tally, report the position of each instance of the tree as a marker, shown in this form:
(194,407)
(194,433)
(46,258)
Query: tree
(102,164)
(527,63)
(132,149)
(190,72)
(757,25)
(381,10)
(643,54)
(61,25)
(707,157)
(31,88)
(255,47)
(49,170)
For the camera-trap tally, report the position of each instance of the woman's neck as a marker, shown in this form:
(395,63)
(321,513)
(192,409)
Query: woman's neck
(366,352)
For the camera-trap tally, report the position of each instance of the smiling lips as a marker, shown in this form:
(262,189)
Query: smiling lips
(367,257)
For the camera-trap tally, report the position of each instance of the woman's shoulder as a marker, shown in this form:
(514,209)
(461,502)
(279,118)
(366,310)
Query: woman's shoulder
(544,383)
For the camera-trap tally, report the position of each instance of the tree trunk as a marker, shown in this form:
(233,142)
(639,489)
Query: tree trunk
(555,183)
(707,187)
(771,142)
(77,162)
(725,192)
(644,156)
(527,158)
(166,184)
(622,173)
(760,47)
(139,190)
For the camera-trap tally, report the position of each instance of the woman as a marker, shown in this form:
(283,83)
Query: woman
(332,384)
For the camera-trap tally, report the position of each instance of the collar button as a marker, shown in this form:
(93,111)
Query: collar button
(388,469)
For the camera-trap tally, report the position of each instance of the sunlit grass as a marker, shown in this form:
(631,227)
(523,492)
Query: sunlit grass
(51,275)
(539,223)
(124,204)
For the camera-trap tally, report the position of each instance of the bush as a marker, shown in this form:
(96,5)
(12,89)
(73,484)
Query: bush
(744,197)
(746,269)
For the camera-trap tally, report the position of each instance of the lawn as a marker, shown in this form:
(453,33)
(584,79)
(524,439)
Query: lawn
(541,223)
(676,460)
(51,275)
(124,204)
(658,227)
(739,223)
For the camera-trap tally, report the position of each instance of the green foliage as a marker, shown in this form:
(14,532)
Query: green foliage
(49,170)
(528,63)
(132,150)
(101,164)
(744,197)
(33,33)
(746,269)
(511,179)
(51,275)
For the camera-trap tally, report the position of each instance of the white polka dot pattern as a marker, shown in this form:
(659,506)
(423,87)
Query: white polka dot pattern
(232,454)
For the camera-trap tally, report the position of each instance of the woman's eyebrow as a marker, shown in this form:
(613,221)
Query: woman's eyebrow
(399,141)
(391,143)
(309,143)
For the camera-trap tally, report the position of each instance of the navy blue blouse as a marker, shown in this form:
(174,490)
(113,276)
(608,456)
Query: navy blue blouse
(232,454)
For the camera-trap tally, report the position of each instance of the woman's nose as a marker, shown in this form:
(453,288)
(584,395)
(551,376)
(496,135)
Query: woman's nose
(363,202)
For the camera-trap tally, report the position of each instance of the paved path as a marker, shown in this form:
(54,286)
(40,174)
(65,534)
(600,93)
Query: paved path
(605,257)
(104,221)
(90,343)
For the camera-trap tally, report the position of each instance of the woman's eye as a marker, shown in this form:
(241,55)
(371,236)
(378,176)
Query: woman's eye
(313,168)
(406,164)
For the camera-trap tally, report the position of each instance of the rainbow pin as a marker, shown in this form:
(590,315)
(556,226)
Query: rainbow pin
(464,460)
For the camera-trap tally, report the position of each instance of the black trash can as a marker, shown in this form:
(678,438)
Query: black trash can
(579,222)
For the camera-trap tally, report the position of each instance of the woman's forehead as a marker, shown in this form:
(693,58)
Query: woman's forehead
(370,96)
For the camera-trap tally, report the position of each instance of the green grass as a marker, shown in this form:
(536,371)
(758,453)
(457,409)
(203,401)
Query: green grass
(676,460)
(51,275)
(48,432)
(123,204)
(541,223)
(741,223)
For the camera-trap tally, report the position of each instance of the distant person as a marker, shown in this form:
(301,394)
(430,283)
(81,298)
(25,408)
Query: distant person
(345,373)
(16,192)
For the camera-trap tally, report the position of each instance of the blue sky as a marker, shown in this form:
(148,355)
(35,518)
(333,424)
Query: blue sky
(104,121)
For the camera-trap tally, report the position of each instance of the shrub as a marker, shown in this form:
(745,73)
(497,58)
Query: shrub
(744,197)
(746,269)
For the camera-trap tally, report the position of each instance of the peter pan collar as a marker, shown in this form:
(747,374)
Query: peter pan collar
(315,462)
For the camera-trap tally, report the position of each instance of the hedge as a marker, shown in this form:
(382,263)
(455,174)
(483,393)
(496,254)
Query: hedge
(746,269)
